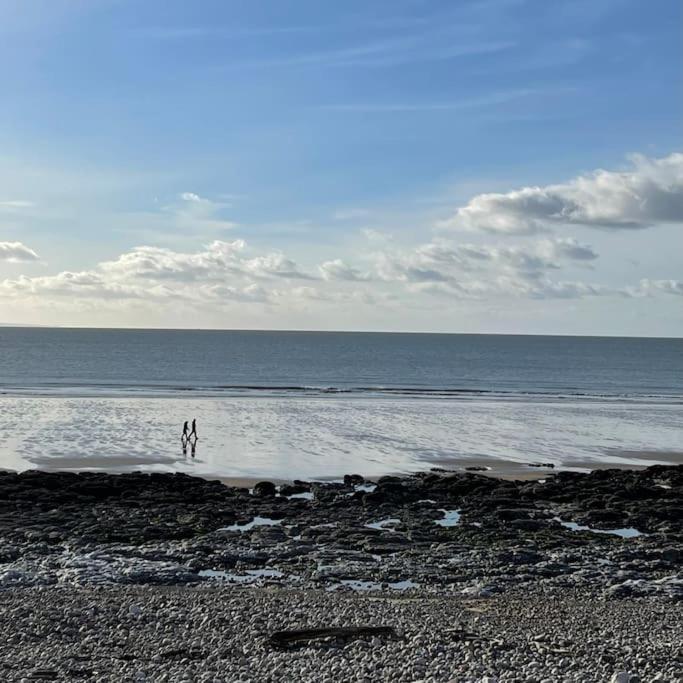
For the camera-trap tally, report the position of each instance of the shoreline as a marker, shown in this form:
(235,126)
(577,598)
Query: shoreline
(485,465)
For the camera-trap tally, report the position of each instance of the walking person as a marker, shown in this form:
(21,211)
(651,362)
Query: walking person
(194,429)
(185,437)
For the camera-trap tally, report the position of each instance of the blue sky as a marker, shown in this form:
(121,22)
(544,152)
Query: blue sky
(320,132)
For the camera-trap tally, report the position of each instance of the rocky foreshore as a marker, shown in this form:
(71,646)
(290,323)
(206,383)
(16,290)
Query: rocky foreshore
(440,531)
(610,542)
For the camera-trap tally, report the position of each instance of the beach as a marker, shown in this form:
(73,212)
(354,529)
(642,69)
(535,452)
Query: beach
(341,342)
(492,508)
(212,634)
(157,577)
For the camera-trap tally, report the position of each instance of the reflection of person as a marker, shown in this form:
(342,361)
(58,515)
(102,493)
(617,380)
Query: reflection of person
(194,428)
(185,428)
(193,445)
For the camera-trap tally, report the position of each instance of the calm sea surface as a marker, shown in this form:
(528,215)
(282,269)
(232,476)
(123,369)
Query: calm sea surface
(321,404)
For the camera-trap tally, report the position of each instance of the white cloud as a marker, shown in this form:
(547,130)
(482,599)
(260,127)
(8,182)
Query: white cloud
(248,293)
(16,252)
(191,197)
(650,192)
(155,263)
(376,236)
(14,204)
(650,287)
(567,248)
(486,271)
(443,261)
(274,265)
(223,270)
(339,270)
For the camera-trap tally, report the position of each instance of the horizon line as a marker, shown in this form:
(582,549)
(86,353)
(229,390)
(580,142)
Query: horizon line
(318,331)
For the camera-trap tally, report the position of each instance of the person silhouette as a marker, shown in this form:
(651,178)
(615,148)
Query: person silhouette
(194,429)
(184,437)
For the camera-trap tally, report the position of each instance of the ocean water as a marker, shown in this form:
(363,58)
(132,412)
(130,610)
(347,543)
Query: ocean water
(290,404)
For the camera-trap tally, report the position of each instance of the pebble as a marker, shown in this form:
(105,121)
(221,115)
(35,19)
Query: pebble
(218,634)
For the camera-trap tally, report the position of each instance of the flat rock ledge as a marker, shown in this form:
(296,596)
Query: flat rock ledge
(616,531)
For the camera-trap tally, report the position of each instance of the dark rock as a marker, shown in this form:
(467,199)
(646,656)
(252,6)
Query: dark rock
(528,524)
(672,555)
(293,490)
(509,515)
(597,517)
(265,489)
(383,481)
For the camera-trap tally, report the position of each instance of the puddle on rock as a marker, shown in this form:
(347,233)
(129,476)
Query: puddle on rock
(626,532)
(384,524)
(306,495)
(257,521)
(361,488)
(450,518)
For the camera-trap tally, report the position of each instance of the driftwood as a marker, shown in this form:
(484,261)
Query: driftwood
(282,638)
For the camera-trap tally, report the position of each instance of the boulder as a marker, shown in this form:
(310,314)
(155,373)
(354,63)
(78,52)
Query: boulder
(265,489)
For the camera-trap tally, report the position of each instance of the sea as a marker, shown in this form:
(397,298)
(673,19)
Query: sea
(317,405)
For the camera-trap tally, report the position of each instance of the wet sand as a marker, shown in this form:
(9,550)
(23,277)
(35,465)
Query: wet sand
(487,466)
(507,469)
(313,438)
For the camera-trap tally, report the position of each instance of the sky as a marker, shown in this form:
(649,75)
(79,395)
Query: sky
(490,166)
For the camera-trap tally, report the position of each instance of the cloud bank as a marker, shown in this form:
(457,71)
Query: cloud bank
(228,272)
(650,192)
(529,259)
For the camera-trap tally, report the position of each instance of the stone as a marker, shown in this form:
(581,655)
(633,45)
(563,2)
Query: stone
(265,489)
(621,677)
(672,555)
